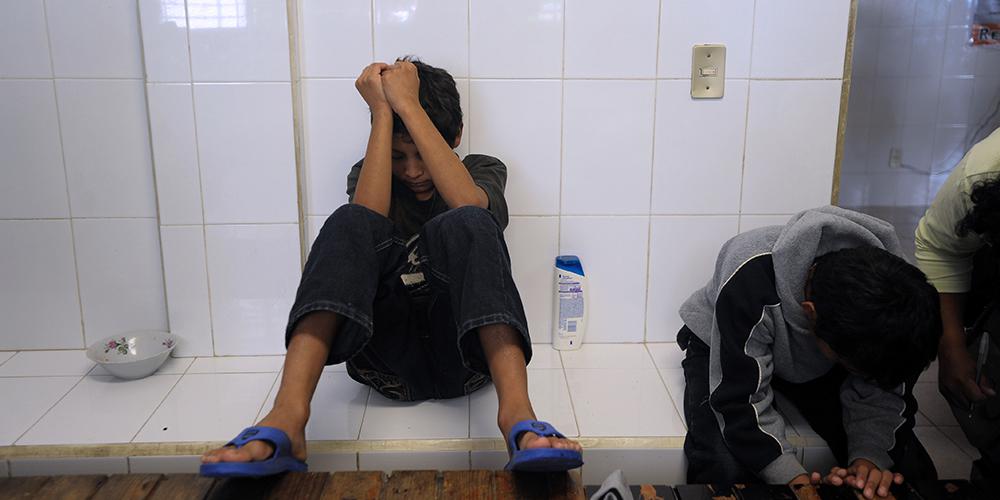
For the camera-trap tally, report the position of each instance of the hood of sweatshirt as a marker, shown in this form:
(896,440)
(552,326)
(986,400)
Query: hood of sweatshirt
(814,233)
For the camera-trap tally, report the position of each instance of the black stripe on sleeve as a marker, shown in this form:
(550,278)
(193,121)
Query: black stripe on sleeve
(739,308)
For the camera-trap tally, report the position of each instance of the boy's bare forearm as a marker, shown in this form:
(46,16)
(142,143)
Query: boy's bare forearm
(451,178)
(374,187)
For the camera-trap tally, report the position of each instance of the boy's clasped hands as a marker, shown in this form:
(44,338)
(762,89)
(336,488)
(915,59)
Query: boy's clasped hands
(390,87)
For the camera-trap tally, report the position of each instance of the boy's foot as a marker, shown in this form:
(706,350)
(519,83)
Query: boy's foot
(292,423)
(532,440)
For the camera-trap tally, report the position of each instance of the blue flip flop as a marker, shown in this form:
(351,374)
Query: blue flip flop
(540,459)
(279,461)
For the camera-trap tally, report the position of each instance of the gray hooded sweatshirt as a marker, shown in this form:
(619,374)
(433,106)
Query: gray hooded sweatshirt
(750,316)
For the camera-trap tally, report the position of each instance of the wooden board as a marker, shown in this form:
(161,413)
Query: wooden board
(300,485)
(21,487)
(182,487)
(128,487)
(407,485)
(70,487)
(467,484)
(361,485)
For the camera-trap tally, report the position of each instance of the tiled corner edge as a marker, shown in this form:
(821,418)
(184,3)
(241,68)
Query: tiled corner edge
(66,466)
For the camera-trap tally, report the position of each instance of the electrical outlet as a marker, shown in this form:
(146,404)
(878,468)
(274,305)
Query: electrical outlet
(895,157)
(708,71)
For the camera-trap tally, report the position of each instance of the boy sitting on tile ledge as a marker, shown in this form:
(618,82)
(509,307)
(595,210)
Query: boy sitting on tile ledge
(409,284)
(824,311)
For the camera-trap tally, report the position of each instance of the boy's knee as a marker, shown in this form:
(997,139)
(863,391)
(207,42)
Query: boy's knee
(466,216)
(352,212)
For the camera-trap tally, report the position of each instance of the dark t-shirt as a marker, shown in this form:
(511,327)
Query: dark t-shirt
(410,214)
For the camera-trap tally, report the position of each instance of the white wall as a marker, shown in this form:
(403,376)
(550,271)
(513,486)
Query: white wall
(586,102)
(79,250)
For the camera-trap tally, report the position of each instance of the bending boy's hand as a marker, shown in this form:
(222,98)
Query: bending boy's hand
(806,479)
(369,85)
(402,86)
(865,476)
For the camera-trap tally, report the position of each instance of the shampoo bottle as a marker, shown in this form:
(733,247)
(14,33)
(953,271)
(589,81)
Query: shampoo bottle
(570,303)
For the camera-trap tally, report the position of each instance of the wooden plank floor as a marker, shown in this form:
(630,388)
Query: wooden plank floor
(475,484)
(472,485)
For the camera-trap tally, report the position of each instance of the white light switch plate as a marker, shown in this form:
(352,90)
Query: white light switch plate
(708,71)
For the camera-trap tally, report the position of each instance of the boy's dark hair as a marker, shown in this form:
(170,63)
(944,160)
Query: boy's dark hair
(877,312)
(438,97)
(984,217)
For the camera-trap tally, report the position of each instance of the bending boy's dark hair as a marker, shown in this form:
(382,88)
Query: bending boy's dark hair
(438,97)
(984,217)
(877,312)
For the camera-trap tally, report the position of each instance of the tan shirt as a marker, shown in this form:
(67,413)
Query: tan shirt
(941,254)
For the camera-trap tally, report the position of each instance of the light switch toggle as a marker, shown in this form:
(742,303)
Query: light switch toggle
(708,71)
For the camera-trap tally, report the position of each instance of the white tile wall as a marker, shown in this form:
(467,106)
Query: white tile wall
(23,26)
(247,152)
(185,273)
(165,41)
(254,271)
(94,38)
(247,42)
(437,32)
(494,53)
(533,243)
(607,146)
(682,251)
(791,134)
(106,146)
(175,153)
(121,276)
(346,25)
(595,145)
(610,40)
(613,253)
(698,160)
(685,23)
(528,147)
(39,292)
(332,110)
(33,181)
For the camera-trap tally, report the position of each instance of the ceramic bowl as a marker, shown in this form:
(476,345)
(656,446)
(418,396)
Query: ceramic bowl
(134,354)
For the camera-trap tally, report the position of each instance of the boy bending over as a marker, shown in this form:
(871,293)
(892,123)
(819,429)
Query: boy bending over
(824,311)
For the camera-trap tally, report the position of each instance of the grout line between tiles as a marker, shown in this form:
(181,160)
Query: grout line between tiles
(652,171)
(663,381)
(46,412)
(569,392)
(364,413)
(62,154)
(158,405)
(273,387)
(746,123)
(152,166)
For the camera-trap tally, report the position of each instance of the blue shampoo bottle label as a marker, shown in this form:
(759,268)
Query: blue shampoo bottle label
(570,303)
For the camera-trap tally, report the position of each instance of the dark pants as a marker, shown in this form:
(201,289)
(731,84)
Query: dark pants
(411,342)
(709,458)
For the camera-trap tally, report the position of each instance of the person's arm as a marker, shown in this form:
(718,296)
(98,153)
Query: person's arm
(374,189)
(741,362)
(451,178)
(946,259)
(874,420)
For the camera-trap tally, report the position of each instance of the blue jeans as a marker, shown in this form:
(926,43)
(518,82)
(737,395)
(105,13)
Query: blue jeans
(409,310)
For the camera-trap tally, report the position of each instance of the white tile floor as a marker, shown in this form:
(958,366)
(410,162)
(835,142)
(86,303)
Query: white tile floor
(603,391)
